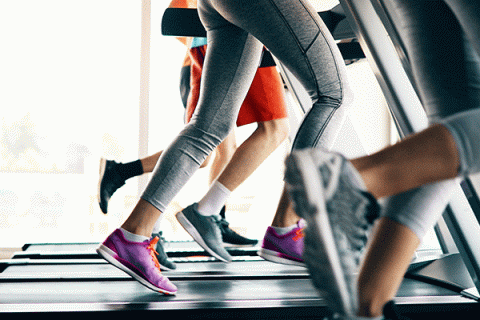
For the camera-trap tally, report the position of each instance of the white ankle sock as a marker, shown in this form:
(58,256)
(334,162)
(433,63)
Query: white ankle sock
(284,230)
(133,237)
(214,200)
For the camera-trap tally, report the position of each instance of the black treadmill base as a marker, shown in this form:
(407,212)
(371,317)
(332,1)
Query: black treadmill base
(46,280)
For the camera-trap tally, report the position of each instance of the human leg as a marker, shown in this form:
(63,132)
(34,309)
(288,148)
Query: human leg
(113,175)
(327,86)
(307,49)
(249,155)
(453,89)
(286,219)
(374,261)
(245,51)
(373,292)
(285,215)
(246,159)
(223,154)
(237,65)
(315,61)
(253,151)
(427,157)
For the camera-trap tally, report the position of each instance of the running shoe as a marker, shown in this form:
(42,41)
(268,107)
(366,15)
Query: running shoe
(230,236)
(165,264)
(204,230)
(285,249)
(138,259)
(110,180)
(330,195)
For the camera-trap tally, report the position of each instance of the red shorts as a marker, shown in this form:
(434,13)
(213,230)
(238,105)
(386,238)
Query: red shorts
(265,100)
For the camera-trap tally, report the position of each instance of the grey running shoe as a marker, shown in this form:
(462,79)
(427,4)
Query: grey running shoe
(162,257)
(204,230)
(329,194)
(110,180)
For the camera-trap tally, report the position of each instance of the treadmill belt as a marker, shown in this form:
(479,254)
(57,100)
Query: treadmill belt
(201,270)
(178,251)
(247,289)
(173,246)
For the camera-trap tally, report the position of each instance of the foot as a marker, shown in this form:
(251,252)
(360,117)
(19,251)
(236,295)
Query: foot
(230,236)
(108,183)
(285,249)
(138,259)
(162,257)
(329,194)
(204,230)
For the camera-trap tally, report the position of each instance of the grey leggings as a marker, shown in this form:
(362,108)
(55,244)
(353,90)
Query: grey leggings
(236,32)
(441,37)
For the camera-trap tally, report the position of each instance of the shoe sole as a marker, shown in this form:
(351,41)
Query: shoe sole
(320,252)
(192,231)
(109,255)
(272,256)
(103,165)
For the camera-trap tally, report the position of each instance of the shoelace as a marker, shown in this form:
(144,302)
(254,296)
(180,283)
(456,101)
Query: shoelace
(153,252)
(163,241)
(222,223)
(299,234)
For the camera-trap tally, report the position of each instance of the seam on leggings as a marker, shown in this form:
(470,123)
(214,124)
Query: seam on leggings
(229,86)
(317,138)
(329,47)
(274,5)
(319,135)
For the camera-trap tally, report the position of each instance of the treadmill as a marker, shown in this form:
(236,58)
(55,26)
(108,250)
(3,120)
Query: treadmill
(58,279)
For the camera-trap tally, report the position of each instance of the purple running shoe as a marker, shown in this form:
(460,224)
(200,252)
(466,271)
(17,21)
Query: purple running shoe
(287,248)
(138,259)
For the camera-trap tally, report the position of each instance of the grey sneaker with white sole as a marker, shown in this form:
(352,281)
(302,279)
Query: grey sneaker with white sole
(205,231)
(330,195)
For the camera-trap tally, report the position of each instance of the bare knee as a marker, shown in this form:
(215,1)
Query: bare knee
(274,131)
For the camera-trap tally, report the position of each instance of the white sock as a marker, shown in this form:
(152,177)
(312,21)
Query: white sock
(133,237)
(214,200)
(284,230)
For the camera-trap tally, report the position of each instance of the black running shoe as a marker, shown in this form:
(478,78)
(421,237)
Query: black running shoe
(162,257)
(230,236)
(110,180)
